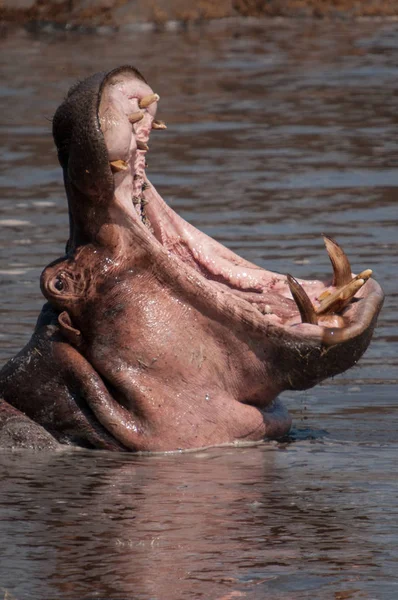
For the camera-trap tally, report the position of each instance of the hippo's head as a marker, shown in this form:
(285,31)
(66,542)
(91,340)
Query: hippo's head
(194,342)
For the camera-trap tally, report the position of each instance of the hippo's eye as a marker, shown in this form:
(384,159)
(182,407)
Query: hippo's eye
(59,284)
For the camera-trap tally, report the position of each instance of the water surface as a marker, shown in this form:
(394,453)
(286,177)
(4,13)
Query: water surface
(278,132)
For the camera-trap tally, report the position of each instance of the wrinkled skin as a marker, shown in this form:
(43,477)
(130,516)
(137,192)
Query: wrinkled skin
(155,337)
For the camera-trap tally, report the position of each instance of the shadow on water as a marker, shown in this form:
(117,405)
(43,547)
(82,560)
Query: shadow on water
(277,132)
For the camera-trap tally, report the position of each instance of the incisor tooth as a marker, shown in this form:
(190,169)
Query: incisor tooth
(158,124)
(341,297)
(304,304)
(135,117)
(148,100)
(324,295)
(142,146)
(118,165)
(366,274)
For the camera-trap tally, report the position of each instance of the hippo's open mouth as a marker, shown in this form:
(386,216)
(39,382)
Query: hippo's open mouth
(178,341)
(329,312)
(155,336)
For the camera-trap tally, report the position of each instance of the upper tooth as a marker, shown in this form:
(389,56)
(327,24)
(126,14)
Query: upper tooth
(159,124)
(135,117)
(118,165)
(148,100)
(142,145)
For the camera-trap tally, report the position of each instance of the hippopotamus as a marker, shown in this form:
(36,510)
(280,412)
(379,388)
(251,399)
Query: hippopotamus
(154,336)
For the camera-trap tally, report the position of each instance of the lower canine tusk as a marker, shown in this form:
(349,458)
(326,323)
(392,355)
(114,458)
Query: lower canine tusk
(340,263)
(304,304)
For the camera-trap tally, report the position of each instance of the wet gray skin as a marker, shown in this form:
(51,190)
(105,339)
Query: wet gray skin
(155,337)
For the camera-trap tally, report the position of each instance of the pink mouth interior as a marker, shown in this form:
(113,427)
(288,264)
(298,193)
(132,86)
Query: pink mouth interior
(267,291)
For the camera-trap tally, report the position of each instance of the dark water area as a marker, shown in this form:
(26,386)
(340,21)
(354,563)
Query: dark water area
(278,132)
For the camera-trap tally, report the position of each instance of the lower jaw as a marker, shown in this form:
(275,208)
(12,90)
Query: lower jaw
(272,423)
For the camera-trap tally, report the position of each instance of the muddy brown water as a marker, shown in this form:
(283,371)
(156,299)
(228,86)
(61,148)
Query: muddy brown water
(278,131)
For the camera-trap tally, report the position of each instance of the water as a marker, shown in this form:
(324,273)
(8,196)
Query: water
(278,132)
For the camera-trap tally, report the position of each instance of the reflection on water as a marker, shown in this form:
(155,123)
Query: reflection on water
(201,525)
(277,132)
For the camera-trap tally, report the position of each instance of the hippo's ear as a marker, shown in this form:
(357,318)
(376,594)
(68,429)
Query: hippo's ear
(73,335)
